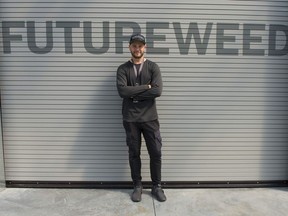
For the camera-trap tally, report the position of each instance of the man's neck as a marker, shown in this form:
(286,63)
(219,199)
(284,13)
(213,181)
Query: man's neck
(137,60)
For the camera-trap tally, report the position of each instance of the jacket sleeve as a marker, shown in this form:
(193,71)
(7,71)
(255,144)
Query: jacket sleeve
(156,85)
(124,90)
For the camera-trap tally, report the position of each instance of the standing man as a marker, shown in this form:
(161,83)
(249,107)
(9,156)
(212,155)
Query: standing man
(139,82)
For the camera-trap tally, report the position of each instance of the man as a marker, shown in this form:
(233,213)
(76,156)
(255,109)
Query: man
(139,82)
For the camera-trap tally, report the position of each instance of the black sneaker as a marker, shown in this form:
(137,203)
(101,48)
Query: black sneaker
(158,193)
(136,194)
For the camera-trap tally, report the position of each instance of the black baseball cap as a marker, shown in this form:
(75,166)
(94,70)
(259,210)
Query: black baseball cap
(137,37)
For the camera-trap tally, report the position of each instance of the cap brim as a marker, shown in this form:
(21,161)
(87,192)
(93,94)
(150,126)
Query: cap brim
(137,41)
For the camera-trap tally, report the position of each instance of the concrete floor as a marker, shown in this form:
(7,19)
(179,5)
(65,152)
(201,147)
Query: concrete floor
(116,202)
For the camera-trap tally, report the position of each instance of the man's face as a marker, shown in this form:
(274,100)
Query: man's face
(137,49)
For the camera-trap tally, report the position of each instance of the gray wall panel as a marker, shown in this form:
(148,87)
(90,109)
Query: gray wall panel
(2,167)
(223,116)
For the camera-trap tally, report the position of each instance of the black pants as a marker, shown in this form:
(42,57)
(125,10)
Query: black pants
(151,133)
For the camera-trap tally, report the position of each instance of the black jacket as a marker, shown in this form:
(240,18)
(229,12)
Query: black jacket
(139,103)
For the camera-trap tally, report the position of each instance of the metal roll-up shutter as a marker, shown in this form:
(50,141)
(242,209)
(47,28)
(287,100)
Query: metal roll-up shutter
(224,108)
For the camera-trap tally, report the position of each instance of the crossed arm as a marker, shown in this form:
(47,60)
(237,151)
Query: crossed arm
(148,91)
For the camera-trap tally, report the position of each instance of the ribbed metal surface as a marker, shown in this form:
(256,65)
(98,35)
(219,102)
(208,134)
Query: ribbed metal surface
(2,173)
(224,108)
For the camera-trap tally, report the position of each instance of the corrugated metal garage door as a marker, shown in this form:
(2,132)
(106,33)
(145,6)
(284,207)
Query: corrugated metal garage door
(224,107)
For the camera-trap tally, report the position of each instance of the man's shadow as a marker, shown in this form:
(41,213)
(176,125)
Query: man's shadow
(99,151)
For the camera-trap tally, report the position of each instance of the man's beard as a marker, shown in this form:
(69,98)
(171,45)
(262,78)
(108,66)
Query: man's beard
(137,56)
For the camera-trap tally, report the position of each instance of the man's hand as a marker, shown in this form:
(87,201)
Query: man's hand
(153,85)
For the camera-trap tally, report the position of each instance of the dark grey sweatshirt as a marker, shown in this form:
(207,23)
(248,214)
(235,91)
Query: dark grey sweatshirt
(139,103)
